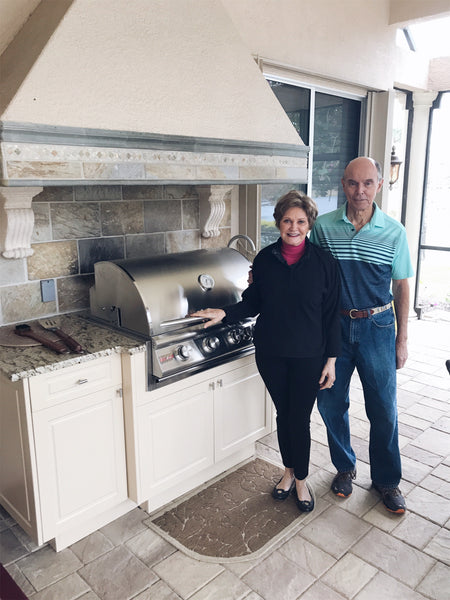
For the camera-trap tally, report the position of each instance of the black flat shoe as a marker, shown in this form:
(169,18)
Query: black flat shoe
(278,494)
(304,505)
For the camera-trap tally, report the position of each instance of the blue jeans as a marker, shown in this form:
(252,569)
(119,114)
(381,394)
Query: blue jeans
(369,345)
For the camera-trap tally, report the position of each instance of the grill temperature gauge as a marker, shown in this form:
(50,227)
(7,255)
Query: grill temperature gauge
(206,281)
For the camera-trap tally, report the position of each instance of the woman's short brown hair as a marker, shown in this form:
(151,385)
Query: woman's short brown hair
(295,199)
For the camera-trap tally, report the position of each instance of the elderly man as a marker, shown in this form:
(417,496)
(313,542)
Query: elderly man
(372,251)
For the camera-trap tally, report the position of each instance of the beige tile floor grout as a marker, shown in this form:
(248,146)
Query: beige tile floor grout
(346,549)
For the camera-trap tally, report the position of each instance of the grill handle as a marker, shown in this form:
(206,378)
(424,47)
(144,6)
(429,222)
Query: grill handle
(183,321)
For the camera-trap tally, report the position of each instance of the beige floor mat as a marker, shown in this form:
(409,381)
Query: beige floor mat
(234,518)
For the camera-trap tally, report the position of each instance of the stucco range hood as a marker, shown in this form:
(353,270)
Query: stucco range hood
(141,92)
(149,91)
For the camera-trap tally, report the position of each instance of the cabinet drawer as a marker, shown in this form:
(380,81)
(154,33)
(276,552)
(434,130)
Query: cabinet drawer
(65,384)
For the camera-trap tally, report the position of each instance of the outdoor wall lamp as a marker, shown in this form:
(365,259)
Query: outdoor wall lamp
(395,168)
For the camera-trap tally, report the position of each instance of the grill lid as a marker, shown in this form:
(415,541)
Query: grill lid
(153,295)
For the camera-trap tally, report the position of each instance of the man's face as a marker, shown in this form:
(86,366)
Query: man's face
(361,185)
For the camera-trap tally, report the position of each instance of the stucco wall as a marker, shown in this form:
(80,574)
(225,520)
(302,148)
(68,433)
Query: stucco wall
(180,66)
(402,11)
(13,15)
(348,40)
(440,74)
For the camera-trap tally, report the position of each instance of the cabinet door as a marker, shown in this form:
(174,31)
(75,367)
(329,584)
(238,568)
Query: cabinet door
(17,475)
(175,438)
(80,452)
(241,412)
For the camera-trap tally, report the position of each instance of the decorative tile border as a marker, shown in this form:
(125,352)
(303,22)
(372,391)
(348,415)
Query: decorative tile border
(34,155)
(37,155)
(34,164)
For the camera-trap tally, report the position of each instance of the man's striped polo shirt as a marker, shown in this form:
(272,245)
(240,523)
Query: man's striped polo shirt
(368,259)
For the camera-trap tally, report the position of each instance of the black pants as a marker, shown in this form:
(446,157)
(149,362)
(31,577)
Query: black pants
(293,384)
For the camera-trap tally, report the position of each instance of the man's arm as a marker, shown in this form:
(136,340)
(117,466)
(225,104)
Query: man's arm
(400,290)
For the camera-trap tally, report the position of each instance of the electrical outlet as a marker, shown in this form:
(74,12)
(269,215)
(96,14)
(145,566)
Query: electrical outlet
(48,291)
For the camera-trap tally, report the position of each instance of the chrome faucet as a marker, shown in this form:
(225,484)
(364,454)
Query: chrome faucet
(249,254)
(244,237)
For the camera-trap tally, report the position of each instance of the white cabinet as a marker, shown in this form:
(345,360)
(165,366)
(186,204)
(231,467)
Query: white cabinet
(19,492)
(240,410)
(76,449)
(175,437)
(187,432)
(75,454)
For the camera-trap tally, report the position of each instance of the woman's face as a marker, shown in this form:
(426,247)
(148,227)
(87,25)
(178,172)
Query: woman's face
(294,226)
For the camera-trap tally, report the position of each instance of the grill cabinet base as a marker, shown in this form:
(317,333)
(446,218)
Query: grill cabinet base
(184,434)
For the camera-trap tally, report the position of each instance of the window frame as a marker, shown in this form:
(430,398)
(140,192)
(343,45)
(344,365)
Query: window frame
(250,194)
(331,90)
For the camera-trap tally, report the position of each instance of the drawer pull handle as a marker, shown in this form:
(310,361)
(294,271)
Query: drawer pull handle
(81,381)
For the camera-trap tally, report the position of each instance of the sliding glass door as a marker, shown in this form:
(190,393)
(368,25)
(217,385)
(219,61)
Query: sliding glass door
(335,143)
(330,125)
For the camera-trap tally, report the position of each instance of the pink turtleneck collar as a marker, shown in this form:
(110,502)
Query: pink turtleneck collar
(292,254)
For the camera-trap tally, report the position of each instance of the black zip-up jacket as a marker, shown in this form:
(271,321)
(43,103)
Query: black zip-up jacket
(298,305)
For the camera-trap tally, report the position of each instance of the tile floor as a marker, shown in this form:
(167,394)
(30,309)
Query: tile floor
(346,549)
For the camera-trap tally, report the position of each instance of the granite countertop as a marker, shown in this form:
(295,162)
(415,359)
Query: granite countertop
(97,340)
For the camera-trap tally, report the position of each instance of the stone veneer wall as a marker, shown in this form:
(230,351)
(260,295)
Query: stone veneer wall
(78,226)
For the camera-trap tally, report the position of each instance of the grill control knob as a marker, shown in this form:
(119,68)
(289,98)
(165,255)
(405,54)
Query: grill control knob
(210,344)
(247,334)
(234,336)
(183,352)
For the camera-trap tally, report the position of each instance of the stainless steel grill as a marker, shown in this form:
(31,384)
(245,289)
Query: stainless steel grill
(153,296)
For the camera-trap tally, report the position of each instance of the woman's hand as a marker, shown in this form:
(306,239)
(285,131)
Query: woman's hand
(215,315)
(328,375)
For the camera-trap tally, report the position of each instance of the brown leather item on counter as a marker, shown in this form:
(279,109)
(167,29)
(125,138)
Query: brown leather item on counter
(9,338)
(56,345)
(51,325)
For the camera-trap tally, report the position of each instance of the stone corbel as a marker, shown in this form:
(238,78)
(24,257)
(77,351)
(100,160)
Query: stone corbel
(16,221)
(212,208)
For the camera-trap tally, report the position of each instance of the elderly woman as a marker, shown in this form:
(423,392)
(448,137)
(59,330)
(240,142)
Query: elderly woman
(295,292)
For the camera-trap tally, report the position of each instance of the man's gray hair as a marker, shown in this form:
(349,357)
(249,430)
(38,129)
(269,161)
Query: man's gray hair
(378,167)
(374,162)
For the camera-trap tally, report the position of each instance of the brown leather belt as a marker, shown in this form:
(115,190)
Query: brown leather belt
(354,313)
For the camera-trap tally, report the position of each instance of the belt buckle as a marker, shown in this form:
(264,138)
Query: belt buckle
(350,313)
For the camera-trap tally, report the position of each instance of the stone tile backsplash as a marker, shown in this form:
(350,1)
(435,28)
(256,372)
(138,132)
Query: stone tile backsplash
(162,215)
(77,226)
(53,259)
(121,218)
(22,302)
(75,220)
